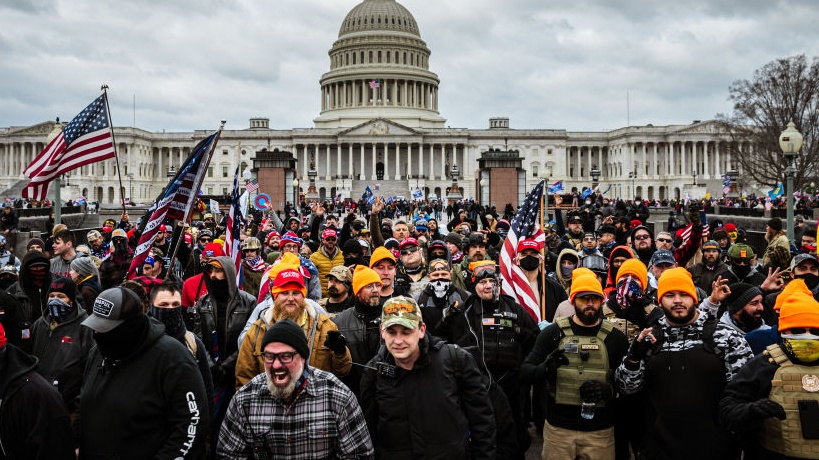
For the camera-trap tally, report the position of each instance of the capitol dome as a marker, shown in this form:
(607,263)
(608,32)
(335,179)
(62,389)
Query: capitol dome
(379,68)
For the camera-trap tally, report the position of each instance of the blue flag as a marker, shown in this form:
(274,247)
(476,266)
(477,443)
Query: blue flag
(777,191)
(586,193)
(556,187)
(368,195)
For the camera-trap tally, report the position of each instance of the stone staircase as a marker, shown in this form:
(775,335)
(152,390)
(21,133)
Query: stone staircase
(16,190)
(386,188)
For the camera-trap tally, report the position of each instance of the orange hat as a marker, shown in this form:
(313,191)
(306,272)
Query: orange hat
(636,268)
(799,309)
(288,261)
(790,288)
(581,271)
(380,254)
(585,284)
(287,280)
(674,279)
(364,276)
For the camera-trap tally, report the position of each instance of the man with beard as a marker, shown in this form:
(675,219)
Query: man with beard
(360,324)
(339,288)
(272,252)
(771,402)
(440,293)
(99,247)
(642,242)
(744,308)
(194,287)
(475,247)
(115,265)
(711,266)
(410,275)
(574,232)
(570,365)
(327,257)
(142,396)
(384,263)
(327,347)
(740,268)
(498,332)
(293,410)
(222,313)
(689,353)
(424,372)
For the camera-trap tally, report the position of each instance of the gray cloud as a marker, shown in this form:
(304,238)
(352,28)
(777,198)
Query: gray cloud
(545,64)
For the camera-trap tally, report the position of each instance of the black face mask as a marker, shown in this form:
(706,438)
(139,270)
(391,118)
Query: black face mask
(172,319)
(123,340)
(350,261)
(219,289)
(741,271)
(811,280)
(529,263)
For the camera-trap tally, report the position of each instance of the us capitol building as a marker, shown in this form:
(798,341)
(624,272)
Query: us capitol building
(380,126)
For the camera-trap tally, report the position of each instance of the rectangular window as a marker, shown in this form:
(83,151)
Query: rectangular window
(210,190)
(224,151)
(224,171)
(224,190)
(210,171)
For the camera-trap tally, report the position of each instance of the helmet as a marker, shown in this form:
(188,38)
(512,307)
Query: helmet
(473,239)
(251,243)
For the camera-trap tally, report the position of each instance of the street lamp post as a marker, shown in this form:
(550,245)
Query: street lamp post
(295,193)
(633,176)
(790,141)
(694,175)
(595,175)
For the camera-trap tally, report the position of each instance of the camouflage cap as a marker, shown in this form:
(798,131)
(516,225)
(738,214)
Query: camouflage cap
(402,311)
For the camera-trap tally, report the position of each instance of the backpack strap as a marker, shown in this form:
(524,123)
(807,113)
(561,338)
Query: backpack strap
(190,341)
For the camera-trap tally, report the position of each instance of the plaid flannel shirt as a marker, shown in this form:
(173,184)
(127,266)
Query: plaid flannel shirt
(324,421)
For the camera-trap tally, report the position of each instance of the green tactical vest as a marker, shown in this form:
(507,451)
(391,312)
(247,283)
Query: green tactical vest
(791,383)
(596,367)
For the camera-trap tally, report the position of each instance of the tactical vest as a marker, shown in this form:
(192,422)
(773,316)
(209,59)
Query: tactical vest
(630,329)
(501,348)
(791,384)
(595,366)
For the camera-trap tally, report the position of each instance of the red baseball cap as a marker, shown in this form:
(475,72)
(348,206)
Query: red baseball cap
(213,250)
(288,278)
(528,244)
(188,238)
(328,233)
(163,228)
(408,242)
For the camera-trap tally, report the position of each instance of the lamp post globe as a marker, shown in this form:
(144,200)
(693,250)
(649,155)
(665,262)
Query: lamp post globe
(790,141)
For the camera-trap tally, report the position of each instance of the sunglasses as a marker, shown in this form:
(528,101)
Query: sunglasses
(803,330)
(642,237)
(664,240)
(410,250)
(205,240)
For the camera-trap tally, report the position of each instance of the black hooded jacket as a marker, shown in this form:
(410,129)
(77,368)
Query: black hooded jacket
(33,299)
(33,419)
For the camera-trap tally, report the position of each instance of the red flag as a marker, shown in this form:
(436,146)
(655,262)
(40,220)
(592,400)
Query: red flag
(85,140)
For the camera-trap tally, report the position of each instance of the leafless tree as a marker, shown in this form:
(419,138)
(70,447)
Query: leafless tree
(783,90)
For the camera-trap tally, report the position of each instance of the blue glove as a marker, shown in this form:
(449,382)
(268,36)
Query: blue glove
(542,324)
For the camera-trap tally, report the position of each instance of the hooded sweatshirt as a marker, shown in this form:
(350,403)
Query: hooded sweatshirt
(566,282)
(32,296)
(619,251)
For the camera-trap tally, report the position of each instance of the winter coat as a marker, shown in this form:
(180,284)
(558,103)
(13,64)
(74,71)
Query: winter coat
(151,404)
(33,300)
(325,263)
(33,419)
(63,352)
(363,340)
(250,362)
(430,411)
(778,251)
(239,306)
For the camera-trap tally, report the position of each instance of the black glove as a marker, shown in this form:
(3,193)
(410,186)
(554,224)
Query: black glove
(548,368)
(639,349)
(336,342)
(693,213)
(452,310)
(765,408)
(594,391)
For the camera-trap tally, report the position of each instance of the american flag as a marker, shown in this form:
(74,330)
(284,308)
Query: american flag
(525,224)
(173,201)
(252,186)
(375,84)
(85,140)
(233,243)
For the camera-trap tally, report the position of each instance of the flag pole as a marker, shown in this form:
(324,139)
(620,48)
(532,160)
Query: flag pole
(197,184)
(104,89)
(544,202)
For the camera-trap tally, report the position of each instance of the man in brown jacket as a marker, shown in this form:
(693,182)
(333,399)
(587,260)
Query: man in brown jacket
(328,348)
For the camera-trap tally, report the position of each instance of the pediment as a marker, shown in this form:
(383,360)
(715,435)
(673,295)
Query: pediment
(379,127)
(705,127)
(40,129)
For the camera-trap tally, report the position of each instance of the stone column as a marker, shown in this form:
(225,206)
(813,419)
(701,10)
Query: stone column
(350,160)
(361,169)
(409,159)
(444,172)
(375,157)
(386,161)
(397,160)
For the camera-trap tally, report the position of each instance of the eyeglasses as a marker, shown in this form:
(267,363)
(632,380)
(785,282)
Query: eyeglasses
(590,238)
(373,287)
(664,240)
(589,299)
(410,250)
(285,357)
(641,237)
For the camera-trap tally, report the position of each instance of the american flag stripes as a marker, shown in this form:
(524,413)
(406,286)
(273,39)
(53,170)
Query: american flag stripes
(85,140)
(233,242)
(252,186)
(525,224)
(174,200)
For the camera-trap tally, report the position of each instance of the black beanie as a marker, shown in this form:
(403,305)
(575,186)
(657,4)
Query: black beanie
(741,294)
(286,331)
(775,223)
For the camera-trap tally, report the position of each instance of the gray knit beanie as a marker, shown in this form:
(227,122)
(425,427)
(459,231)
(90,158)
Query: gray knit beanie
(84,266)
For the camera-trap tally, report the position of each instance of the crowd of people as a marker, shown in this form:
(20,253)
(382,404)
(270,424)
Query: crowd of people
(372,331)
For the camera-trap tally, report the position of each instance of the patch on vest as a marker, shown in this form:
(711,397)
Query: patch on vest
(810,383)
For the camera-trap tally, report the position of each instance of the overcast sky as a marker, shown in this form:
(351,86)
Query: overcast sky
(542,63)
